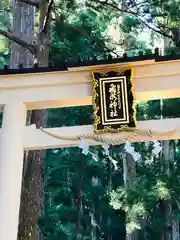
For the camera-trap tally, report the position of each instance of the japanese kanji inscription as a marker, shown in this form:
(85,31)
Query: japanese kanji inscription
(113,101)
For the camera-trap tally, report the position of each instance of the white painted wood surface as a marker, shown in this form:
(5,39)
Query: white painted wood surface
(36,139)
(11,166)
(152,80)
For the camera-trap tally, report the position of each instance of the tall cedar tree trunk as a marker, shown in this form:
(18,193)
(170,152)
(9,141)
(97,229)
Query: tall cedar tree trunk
(167,156)
(109,178)
(175,222)
(170,225)
(176,35)
(32,199)
(175,229)
(165,205)
(79,211)
(129,165)
(129,172)
(93,222)
(23,27)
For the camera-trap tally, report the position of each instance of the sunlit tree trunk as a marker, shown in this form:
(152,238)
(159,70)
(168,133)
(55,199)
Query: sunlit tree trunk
(129,172)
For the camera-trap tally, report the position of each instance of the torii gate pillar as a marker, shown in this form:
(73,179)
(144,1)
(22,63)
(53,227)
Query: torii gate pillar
(11,166)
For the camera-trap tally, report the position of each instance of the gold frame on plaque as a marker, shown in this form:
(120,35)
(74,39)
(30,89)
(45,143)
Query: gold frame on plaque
(113,101)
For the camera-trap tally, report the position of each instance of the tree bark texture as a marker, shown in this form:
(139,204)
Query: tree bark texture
(32,198)
(129,172)
(23,27)
(168,157)
(175,229)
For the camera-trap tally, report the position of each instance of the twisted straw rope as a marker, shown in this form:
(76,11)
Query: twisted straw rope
(114,138)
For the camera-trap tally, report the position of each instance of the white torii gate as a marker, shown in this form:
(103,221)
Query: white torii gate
(22,92)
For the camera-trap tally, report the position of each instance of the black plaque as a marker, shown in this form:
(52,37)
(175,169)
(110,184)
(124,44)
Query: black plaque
(113,101)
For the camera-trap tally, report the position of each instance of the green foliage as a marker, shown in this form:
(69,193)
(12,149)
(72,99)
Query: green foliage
(70,116)
(69,173)
(67,170)
(81,34)
(143,199)
(130,24)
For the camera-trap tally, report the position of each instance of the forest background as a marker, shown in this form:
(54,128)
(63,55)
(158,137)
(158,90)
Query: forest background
(65,194)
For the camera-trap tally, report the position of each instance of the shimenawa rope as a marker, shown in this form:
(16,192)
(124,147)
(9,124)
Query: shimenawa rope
(113,138)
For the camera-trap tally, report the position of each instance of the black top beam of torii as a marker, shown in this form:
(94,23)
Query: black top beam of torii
(64,65)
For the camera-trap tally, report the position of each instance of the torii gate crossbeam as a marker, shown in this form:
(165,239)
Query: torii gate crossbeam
(22,92)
